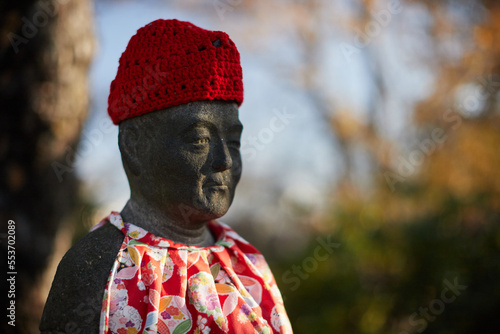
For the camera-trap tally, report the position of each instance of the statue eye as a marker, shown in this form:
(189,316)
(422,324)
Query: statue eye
(201,141)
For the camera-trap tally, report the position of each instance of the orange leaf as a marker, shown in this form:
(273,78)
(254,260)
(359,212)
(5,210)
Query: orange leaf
(224,288)
(164,302)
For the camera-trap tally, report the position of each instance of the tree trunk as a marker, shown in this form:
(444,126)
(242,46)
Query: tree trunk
(45,50)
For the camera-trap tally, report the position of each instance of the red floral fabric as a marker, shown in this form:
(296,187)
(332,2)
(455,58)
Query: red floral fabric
(159,286)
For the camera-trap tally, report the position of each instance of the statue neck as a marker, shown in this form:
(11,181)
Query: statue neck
(158,222)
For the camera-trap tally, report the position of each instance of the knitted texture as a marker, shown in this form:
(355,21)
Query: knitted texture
(170,62)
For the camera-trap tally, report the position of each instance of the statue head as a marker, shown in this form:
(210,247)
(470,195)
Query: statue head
(185,159)
(175,98)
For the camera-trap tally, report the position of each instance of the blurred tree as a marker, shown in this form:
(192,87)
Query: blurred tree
(45,50)
(430,221)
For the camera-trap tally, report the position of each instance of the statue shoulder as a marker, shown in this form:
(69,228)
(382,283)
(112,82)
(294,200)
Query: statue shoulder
(75,298)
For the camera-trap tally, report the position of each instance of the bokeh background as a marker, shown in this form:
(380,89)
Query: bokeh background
(371,150)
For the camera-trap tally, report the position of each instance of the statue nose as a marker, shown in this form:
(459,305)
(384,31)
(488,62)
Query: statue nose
(222,158)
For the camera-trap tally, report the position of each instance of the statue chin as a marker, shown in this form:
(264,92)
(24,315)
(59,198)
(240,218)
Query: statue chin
(214,204)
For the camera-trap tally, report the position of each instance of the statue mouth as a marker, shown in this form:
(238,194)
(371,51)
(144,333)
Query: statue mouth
(221,187)
(216,184)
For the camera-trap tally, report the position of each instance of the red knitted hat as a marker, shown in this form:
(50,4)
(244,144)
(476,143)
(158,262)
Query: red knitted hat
(171,62)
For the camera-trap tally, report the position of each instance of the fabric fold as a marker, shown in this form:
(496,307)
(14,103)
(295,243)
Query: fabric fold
(160,286)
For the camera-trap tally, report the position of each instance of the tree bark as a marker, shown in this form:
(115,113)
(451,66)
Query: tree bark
(45,50)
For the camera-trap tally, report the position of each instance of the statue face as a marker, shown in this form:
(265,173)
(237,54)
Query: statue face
(191,163)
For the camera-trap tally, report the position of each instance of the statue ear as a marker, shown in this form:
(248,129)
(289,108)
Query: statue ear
(128,142)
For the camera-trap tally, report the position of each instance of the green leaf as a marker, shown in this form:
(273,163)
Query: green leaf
(215,270)
(225,243)
(183,327)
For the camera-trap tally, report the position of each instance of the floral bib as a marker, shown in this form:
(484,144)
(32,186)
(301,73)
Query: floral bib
(159,286)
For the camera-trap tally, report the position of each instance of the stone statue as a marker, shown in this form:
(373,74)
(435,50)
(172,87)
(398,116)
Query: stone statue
(164,263)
